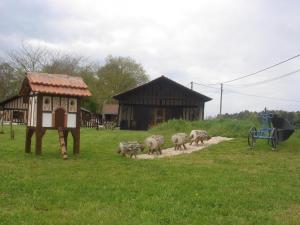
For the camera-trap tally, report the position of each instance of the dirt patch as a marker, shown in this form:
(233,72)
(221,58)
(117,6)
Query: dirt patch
(190,148)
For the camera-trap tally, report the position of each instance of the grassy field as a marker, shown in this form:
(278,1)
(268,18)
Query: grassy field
(224,184)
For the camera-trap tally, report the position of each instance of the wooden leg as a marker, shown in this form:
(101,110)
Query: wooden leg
(38,140)
(29,134)
(66,133)
(76,141)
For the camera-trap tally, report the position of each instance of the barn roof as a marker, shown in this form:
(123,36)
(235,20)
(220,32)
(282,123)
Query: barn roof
(110,109)
(157,80)
(58,84)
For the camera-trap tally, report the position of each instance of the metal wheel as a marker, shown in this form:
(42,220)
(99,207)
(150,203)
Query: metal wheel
(251,137)
(274,140)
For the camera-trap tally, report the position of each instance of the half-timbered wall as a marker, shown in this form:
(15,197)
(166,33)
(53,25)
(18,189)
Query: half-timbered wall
(52,103)
(17,104)
(32,111)
(14,110)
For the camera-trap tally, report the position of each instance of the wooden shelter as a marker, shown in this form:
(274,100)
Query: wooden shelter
(157,101)
(14,110)
(53,103)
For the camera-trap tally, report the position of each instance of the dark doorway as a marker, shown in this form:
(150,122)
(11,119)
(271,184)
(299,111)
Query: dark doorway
(18,116)
(141,115)
(60,118)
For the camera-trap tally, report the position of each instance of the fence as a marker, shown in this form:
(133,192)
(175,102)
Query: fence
(91,121)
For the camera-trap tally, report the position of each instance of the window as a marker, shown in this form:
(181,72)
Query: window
(47,103)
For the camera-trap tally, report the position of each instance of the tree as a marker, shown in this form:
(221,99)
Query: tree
(18,61)
(75,66)
(117,75)
(28,58)
(9,81)
(63,64)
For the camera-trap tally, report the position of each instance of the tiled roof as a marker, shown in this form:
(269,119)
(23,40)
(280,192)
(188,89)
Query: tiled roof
(110,109)
(59,84)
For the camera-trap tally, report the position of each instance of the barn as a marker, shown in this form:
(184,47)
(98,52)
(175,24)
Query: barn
(157,101)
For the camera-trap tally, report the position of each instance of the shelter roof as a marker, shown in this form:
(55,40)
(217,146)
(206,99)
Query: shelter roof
(58,84)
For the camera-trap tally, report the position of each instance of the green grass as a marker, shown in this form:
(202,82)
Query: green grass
(224,184)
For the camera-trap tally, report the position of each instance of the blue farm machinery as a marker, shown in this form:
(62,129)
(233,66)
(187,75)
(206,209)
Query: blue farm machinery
(274,129)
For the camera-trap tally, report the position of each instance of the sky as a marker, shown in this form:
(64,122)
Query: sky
(207,42)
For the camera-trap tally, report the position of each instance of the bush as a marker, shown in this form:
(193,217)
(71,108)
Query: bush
(215,127)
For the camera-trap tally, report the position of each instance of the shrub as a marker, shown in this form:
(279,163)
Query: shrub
(215,127)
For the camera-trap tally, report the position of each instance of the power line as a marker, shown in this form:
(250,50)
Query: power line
(252,74)
(269,80)
(266,97)
(205,85)
(259,71)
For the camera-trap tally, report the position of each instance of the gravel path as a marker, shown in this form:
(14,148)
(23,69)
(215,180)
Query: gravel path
(190,148)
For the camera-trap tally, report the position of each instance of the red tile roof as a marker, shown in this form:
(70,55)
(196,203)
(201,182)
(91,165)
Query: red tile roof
(110,109)
(58,84)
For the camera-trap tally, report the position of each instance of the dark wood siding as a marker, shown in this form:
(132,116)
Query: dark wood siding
(159,101)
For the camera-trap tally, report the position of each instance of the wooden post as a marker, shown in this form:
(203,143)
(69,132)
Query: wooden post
(29,134)
(38,132)
(119,115)
(66,132)
(221,99)
(12,135)
(76,141)
(76,132)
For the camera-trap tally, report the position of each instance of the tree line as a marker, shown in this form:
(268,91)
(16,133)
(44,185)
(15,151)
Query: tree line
(115,75)
(292,117)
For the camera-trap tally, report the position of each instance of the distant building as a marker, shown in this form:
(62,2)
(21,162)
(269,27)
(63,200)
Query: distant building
(14,110)
(157,101)
(110,112)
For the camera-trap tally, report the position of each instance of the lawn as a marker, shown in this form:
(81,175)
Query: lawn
(224,184)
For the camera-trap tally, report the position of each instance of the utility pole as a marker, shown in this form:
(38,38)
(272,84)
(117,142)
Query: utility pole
(221,99)
(192,85)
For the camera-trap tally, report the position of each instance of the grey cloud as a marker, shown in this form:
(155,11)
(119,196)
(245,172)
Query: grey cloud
(202,41)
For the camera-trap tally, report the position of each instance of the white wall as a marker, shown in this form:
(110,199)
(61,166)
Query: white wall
(71,122)
(47,120)
(32,111)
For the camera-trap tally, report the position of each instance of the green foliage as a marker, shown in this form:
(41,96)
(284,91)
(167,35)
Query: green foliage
(10,81)
(292,117)
(225,127)
(64,64)
(223,184)
(117,75)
